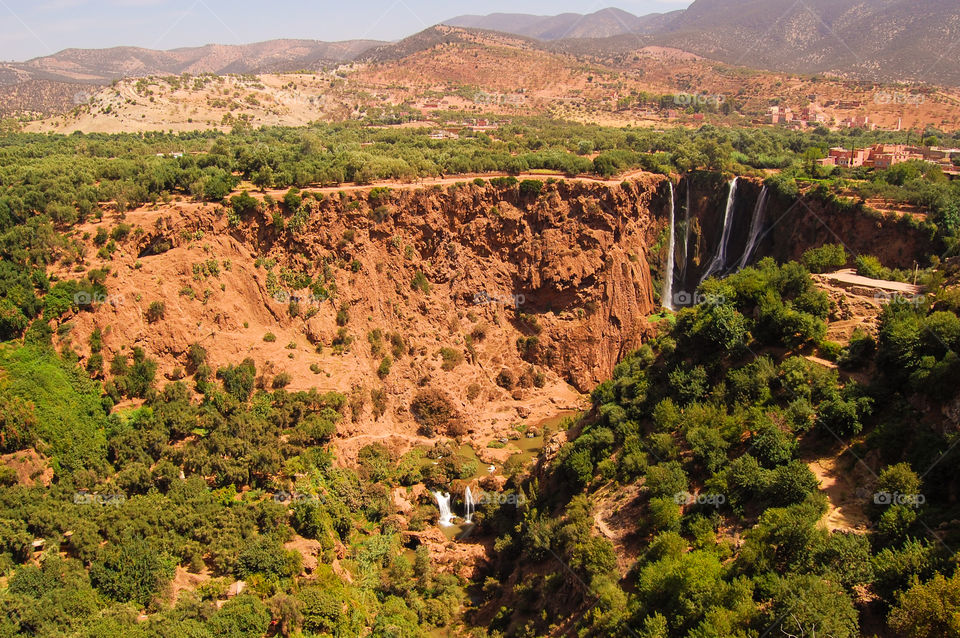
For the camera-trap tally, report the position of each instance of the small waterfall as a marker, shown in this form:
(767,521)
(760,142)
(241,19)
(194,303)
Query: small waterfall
(469,505)
(667,296)
(720,259)
(443,502)
(759,213)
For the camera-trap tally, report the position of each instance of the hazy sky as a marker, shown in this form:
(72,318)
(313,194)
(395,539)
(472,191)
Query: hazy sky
(31,28)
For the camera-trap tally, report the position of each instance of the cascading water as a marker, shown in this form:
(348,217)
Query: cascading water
(668,276)
(443,502)
(469,505)
(759,213)
(686,237)
(720,259)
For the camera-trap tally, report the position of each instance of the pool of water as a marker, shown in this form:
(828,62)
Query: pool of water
(529,446)
(458,530)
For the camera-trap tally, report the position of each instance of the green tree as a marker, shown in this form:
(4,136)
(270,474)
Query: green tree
(131,571)
(928,610)
(240,617)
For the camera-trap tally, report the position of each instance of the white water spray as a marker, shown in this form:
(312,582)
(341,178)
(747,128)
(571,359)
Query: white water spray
(469,505)
(759,213)
(443,502)
(667,296)
(720,259)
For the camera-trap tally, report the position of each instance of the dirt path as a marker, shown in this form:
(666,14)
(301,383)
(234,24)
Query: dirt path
(846,492)
(849,277)
(616,518)
(448,181)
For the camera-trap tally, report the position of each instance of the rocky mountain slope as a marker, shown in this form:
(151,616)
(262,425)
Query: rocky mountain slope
(875,39)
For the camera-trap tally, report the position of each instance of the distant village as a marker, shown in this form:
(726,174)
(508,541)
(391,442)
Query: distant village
(887,155)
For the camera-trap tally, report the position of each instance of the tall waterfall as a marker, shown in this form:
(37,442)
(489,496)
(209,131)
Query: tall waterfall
(720,259)
(443,502)
(667,296)
(686,237)
(759,212)
(469,505)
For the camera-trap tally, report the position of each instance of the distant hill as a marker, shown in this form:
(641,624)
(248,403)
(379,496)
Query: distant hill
(602,24)
(99,66)
(445,35)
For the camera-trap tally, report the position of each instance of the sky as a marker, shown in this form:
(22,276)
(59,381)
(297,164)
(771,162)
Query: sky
(32,28)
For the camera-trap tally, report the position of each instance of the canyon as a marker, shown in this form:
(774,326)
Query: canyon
(503,304)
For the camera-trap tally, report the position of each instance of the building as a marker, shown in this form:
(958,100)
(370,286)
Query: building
(839,156)
(858,121)
(886,155)
(780,115)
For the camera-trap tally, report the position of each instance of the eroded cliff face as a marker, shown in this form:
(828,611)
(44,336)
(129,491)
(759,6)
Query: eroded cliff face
(540,295)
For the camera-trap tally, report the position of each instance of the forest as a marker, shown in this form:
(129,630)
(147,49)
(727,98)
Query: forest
(711,421)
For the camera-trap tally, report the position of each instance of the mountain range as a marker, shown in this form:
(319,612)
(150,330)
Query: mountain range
(602,24)
(881,40)
(875,40)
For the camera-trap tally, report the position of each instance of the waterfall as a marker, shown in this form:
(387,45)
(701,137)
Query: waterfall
(759,212)
(443,502)
(720,259)
(469,505)
(667,296)
(686,237)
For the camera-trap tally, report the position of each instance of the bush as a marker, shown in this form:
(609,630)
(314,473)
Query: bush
(870,266)
(238,380)
(825,258)
(196,357)
(928,610)
(156,311)
(451,358)
(420,283)
(433,410)
(266,556)
(665,515)
(130,571)
(531,188)
(241,617)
